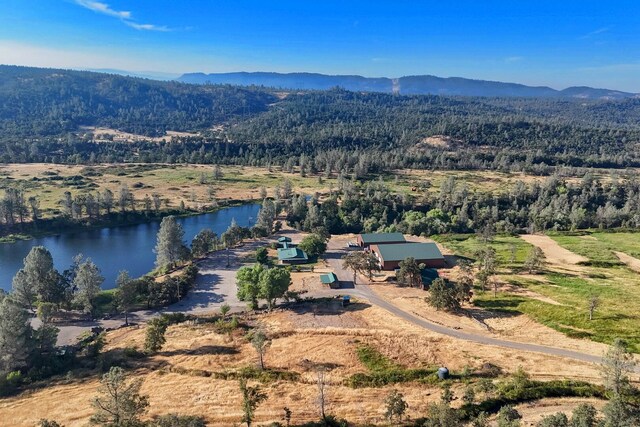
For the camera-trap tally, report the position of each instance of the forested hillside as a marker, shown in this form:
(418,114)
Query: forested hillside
(37,102)
(407,85)
(42,110)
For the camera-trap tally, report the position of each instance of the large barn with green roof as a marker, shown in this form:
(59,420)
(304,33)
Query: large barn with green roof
(367,239)
(390,256)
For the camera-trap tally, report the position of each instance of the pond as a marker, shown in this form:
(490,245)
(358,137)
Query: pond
(117,248)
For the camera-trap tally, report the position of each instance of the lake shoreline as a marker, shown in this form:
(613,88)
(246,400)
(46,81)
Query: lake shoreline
(75,227)
(120,247)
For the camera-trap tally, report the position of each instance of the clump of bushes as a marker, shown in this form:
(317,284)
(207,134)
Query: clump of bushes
(384,372)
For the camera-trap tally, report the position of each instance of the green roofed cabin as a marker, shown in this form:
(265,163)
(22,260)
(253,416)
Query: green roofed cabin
(330,279)
(292,256)
(390,256)
(368,239)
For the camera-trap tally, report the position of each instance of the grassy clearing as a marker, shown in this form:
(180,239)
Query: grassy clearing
(598,252)
(511,251)
(628,243)
(419,182)
(175,183)
(616,317)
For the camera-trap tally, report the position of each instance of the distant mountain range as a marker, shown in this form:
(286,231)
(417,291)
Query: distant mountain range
(152,75)
(409,85)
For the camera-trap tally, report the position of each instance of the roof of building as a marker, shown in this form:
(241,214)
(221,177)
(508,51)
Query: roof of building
(328,278)
(291,254)
(373,238)
(402,251)
(284,239)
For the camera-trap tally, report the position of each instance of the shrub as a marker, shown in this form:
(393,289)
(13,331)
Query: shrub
(173,420)
(9,383)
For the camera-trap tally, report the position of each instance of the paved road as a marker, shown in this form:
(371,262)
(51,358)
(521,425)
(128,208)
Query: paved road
(333,256)
(215,286)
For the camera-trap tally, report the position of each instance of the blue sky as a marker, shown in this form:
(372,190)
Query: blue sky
(555,43)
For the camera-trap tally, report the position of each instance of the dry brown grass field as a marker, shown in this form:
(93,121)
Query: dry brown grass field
(190,184)
(303,338)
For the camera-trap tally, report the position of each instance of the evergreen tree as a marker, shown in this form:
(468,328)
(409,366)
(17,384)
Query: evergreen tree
(15,336)
(87,283)
(42,276)
(170,247)
(119,403)
(262,256)
(23,290)
(154,337)
(126,295)
(251,398)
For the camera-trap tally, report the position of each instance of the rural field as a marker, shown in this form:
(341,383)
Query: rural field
(196,186)
(188,375)
(576,269)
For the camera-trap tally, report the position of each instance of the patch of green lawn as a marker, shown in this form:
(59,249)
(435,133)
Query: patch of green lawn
(598,252)
(468,245)
(618,315)
(628,243)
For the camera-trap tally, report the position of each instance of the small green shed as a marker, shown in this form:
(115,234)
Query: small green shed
(330,279)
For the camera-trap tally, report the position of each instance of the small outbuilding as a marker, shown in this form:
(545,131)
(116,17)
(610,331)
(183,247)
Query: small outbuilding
(367,239)
(292,256)
(284,242)
(330,279)
(390,256)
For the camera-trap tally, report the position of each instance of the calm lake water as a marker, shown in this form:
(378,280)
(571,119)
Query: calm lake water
(117,248)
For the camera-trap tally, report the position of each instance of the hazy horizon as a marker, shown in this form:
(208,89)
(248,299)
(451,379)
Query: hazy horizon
(541,43)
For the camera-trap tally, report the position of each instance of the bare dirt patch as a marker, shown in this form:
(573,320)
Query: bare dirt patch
(632,262)
(556,255)
(102,134)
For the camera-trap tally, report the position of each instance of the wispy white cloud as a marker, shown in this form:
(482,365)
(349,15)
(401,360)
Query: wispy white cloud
(104,9)
(512,59)
(595,33)
(147,27)
(123,15)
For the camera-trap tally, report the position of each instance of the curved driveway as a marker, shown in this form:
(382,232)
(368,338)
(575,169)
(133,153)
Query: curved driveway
(333,257)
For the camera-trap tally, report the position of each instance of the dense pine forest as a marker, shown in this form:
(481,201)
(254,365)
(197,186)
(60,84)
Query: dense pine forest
(42,112)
